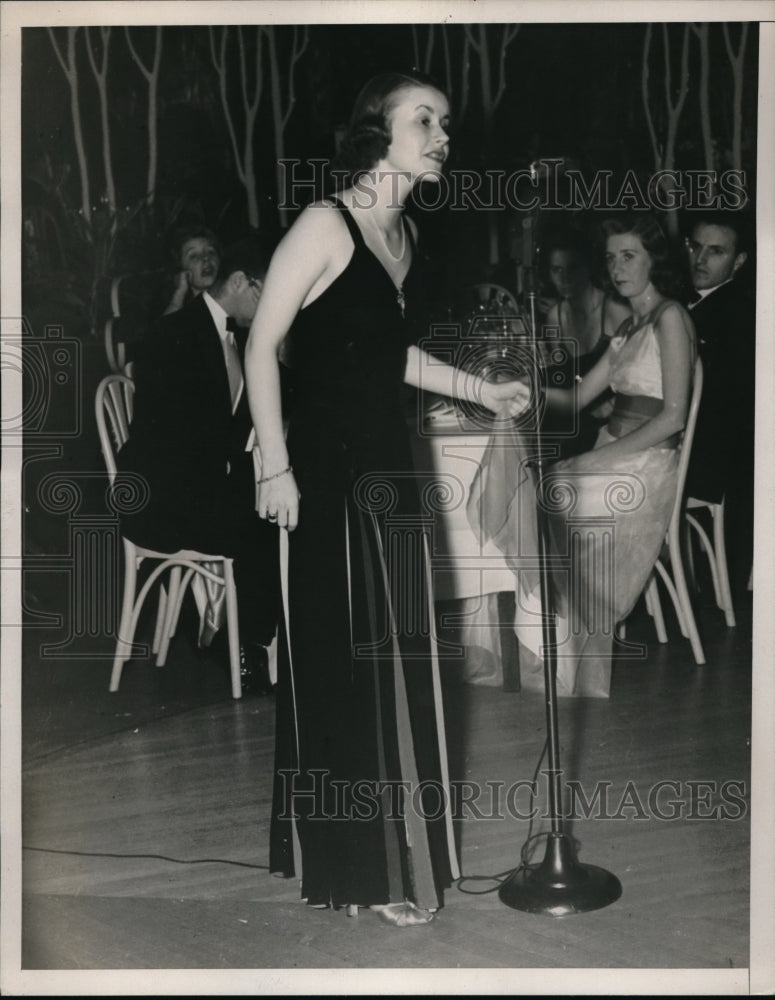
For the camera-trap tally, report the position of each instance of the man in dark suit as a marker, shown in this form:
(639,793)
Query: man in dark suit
(724,316)
(188,439)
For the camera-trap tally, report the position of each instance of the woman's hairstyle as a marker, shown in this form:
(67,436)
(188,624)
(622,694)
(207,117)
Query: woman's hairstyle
(667,275)
(182,235)
(368,136)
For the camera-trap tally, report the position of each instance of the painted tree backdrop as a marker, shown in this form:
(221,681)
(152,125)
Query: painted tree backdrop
(127,133)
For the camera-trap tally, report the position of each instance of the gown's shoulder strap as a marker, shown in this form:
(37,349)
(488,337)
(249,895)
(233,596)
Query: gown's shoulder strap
(352,225)
(656,315)
(410,231)
(690,331)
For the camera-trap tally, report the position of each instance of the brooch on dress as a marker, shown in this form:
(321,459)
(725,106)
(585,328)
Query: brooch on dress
(401,299)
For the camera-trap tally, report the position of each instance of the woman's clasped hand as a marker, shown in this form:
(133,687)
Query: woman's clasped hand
(278,499)
(506,399)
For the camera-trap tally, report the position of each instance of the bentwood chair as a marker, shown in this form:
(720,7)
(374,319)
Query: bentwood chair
(715,551)
(114,348)
(174,570)
(130,304)
(670,566)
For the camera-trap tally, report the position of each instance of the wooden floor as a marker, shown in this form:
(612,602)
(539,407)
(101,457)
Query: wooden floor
(146,814)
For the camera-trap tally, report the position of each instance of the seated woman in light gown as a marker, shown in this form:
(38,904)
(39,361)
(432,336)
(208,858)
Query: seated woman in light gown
(608,508)
(585,318)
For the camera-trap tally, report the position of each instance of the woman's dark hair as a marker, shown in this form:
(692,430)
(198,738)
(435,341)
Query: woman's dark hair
(182,235)
(667,276)
(368,136)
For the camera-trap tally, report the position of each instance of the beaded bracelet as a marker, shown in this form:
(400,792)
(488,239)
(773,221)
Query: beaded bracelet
(268,479)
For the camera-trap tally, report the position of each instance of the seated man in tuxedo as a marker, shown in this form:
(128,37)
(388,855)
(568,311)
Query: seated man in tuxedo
(724,315)
(188,440)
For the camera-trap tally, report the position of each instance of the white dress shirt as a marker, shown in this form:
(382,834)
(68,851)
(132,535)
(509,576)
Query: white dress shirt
(230,353)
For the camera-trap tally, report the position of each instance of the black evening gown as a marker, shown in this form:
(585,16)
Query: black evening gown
(361,810)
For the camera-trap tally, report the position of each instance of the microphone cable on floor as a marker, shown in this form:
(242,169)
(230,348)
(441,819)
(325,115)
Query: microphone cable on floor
(147,857)
(524,863)
(499,878)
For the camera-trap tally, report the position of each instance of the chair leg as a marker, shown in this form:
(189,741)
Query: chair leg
(179,603)
(686,605)
(725,591)
(216,593)
(172,600)
(683,623)
(161,612)
(199,594)
(654,606)
(673,593)
(707,548)
(125,631)
(232,625)
(688,548)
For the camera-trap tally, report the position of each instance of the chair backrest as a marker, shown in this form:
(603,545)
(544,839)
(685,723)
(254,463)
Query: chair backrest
(687,440)
(115,351)
(113,410)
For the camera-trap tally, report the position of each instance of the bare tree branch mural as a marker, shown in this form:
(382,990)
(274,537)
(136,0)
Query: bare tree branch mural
(151,74)
(646,97)
(423,64)
(447,60)
(283,103)
(101,77)
(492,77)
(675,106)
(736,59)
(70,69)
(251,91)
(465,72)
(673,98)
(701,31)
(492,89)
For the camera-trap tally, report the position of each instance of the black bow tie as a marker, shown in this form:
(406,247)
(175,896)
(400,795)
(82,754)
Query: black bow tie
(694,298)
(231,324)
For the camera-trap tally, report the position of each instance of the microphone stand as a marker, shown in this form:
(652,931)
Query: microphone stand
(560,885)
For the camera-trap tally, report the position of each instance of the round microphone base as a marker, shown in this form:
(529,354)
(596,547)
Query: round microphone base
(560,885)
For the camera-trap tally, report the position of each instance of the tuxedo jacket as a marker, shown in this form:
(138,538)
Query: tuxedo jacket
(722,453)
(185,442)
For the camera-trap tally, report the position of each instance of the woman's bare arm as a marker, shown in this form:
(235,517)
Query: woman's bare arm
(676,336)
(304,263)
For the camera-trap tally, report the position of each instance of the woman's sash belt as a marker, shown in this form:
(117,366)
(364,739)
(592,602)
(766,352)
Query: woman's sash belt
(631,412)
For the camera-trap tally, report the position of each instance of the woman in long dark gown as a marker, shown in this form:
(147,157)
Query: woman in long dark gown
(361,806)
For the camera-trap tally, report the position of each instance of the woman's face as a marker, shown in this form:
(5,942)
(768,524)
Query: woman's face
(629,264)
(199,257)
(419,142)
(568,273)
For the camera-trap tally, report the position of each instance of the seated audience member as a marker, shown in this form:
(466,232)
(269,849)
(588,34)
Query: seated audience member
(188,440)
(608,509)
(584,318)
(724,315)
(195,252)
